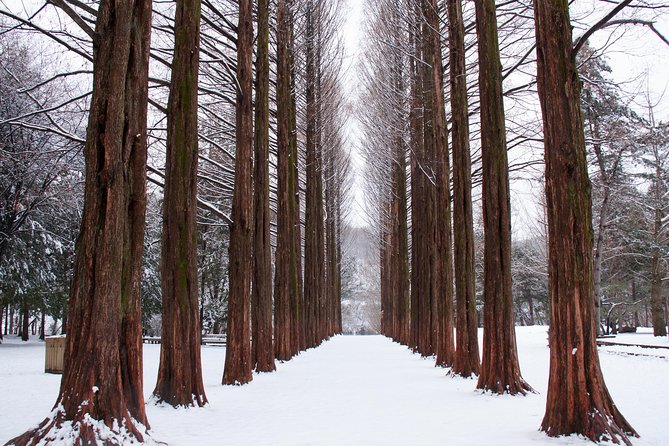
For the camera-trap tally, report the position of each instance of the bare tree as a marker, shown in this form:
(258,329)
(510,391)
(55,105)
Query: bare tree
(500,370)
(238,366)
(180,371)
(102,380)
(262,354)
(466,361)
(586,407)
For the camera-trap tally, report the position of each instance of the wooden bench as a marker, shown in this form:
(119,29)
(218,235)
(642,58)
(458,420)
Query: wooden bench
(206,340)
(626,344)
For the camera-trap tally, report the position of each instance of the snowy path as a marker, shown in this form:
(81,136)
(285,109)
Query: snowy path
(353,391)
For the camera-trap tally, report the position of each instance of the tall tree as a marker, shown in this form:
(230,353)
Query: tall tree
(180,371)
(102,379)
(420,267)
(262,352)
(287,308)
(578,401)
(500,371)
(655,143)
(466,360)
(238,366)
(314,273)
(443,343)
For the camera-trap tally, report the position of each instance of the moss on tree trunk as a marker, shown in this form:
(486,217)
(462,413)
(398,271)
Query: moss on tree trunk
(578,401)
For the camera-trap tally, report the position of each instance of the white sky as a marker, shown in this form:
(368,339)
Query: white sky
(352,38)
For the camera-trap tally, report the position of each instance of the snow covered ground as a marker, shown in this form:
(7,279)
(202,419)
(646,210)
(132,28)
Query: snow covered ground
(353,391)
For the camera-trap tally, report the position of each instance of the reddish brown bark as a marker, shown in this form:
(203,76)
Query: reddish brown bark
(180,371)
(578,401)
(422,193)
(282,274)
(288,330)
(500,371)
(314,273)
(297,309)
(238,367)
(442,279)
(466,361)
(102,376)
(262,351)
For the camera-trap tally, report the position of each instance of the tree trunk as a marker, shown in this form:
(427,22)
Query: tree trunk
(42,325)
(238,367)
(466,361)
(500,371)
(25,320)
(415,143)
(297,308)
(283,258)
(63,328)
(657,272)
(577,401)
(262,353)
(657,307)
(102,322)
(402,279)
(421,197)
(442,247)
(11,319)
(180,371)
(313,237)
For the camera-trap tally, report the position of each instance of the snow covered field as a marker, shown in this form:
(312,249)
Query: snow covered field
(355,391)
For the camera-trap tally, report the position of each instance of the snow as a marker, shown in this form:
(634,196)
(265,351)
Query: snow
(353,390)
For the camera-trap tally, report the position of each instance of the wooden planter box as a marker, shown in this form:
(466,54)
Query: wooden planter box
(55,352)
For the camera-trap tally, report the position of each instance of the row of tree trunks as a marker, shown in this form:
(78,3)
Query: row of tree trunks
(180,371)
(238,361)
(397,293)
(578,400)
(317,293)
(102,379)
(500,371)
(23,323)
